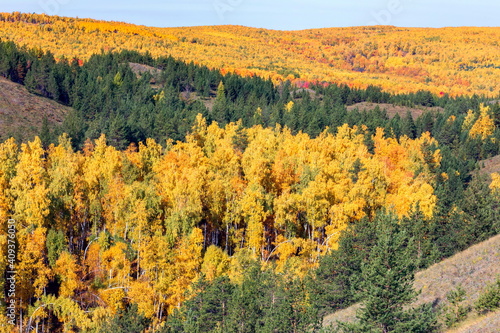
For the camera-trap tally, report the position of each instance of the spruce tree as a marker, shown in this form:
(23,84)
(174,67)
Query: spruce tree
(387,277)
(408,126)
(386,286)
(220,108)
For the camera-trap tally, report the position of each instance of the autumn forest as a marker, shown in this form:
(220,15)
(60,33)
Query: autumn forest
(231,179)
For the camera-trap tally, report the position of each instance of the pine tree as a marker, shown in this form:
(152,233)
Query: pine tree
(126,321)
(387,284)
(408,126)
(482,210)
(220,108)
(208,310)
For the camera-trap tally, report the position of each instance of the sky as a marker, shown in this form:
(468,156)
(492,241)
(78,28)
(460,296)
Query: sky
(272,14)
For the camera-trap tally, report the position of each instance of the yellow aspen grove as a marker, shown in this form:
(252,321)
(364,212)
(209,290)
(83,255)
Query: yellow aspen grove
(116,265)
(92,261)
(141,292)
(33,272)
(143,225)
(495,181)
(149,153)
(66,310)
(67,270)
(64,174)
(101,167)
(114,207)
(29,186)
(184,269)
(399,60)
(258,156)
(484,125)
(215,263)
(238,179)
(156,258)
(8,163)
(224,186)
(114,299)
(469,120)
(181,176)
(252,206)
(402,161)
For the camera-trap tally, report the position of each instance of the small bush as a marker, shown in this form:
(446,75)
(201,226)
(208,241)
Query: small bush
(490,299)
(455,312)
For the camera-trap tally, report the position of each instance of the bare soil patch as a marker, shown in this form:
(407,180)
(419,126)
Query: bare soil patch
(22,113)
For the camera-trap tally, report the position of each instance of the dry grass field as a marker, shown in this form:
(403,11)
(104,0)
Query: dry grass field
(485,324)
(22,113)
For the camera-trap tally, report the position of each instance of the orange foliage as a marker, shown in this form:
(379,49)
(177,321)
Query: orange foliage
(457,61)
(146,236)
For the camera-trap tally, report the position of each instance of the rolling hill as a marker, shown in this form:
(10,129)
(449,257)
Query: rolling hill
(198,188)
(455,61)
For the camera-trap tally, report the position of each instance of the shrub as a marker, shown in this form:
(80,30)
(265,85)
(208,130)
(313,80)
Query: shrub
(456,311)
(490,299)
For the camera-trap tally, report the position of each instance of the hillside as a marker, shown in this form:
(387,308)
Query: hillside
(22,113)
(448,60)
(473,269)
(197,191)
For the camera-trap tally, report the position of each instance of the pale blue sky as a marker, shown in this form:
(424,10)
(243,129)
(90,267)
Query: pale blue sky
(277,14)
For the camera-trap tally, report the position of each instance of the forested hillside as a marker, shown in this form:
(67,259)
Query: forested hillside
(109,97)
(175,197)
(455,61)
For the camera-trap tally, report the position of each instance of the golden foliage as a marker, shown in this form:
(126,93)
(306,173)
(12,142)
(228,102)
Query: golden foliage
(67,269)
(457,61)
(208,206)
(29,186)
(215,263)
(484,126)
(495,182)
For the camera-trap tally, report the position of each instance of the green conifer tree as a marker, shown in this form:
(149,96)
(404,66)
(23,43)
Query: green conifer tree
(386,286)
(220,108)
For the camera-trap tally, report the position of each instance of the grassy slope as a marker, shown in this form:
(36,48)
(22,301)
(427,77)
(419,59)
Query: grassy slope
(473,269)
(22,113)
(485,324)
